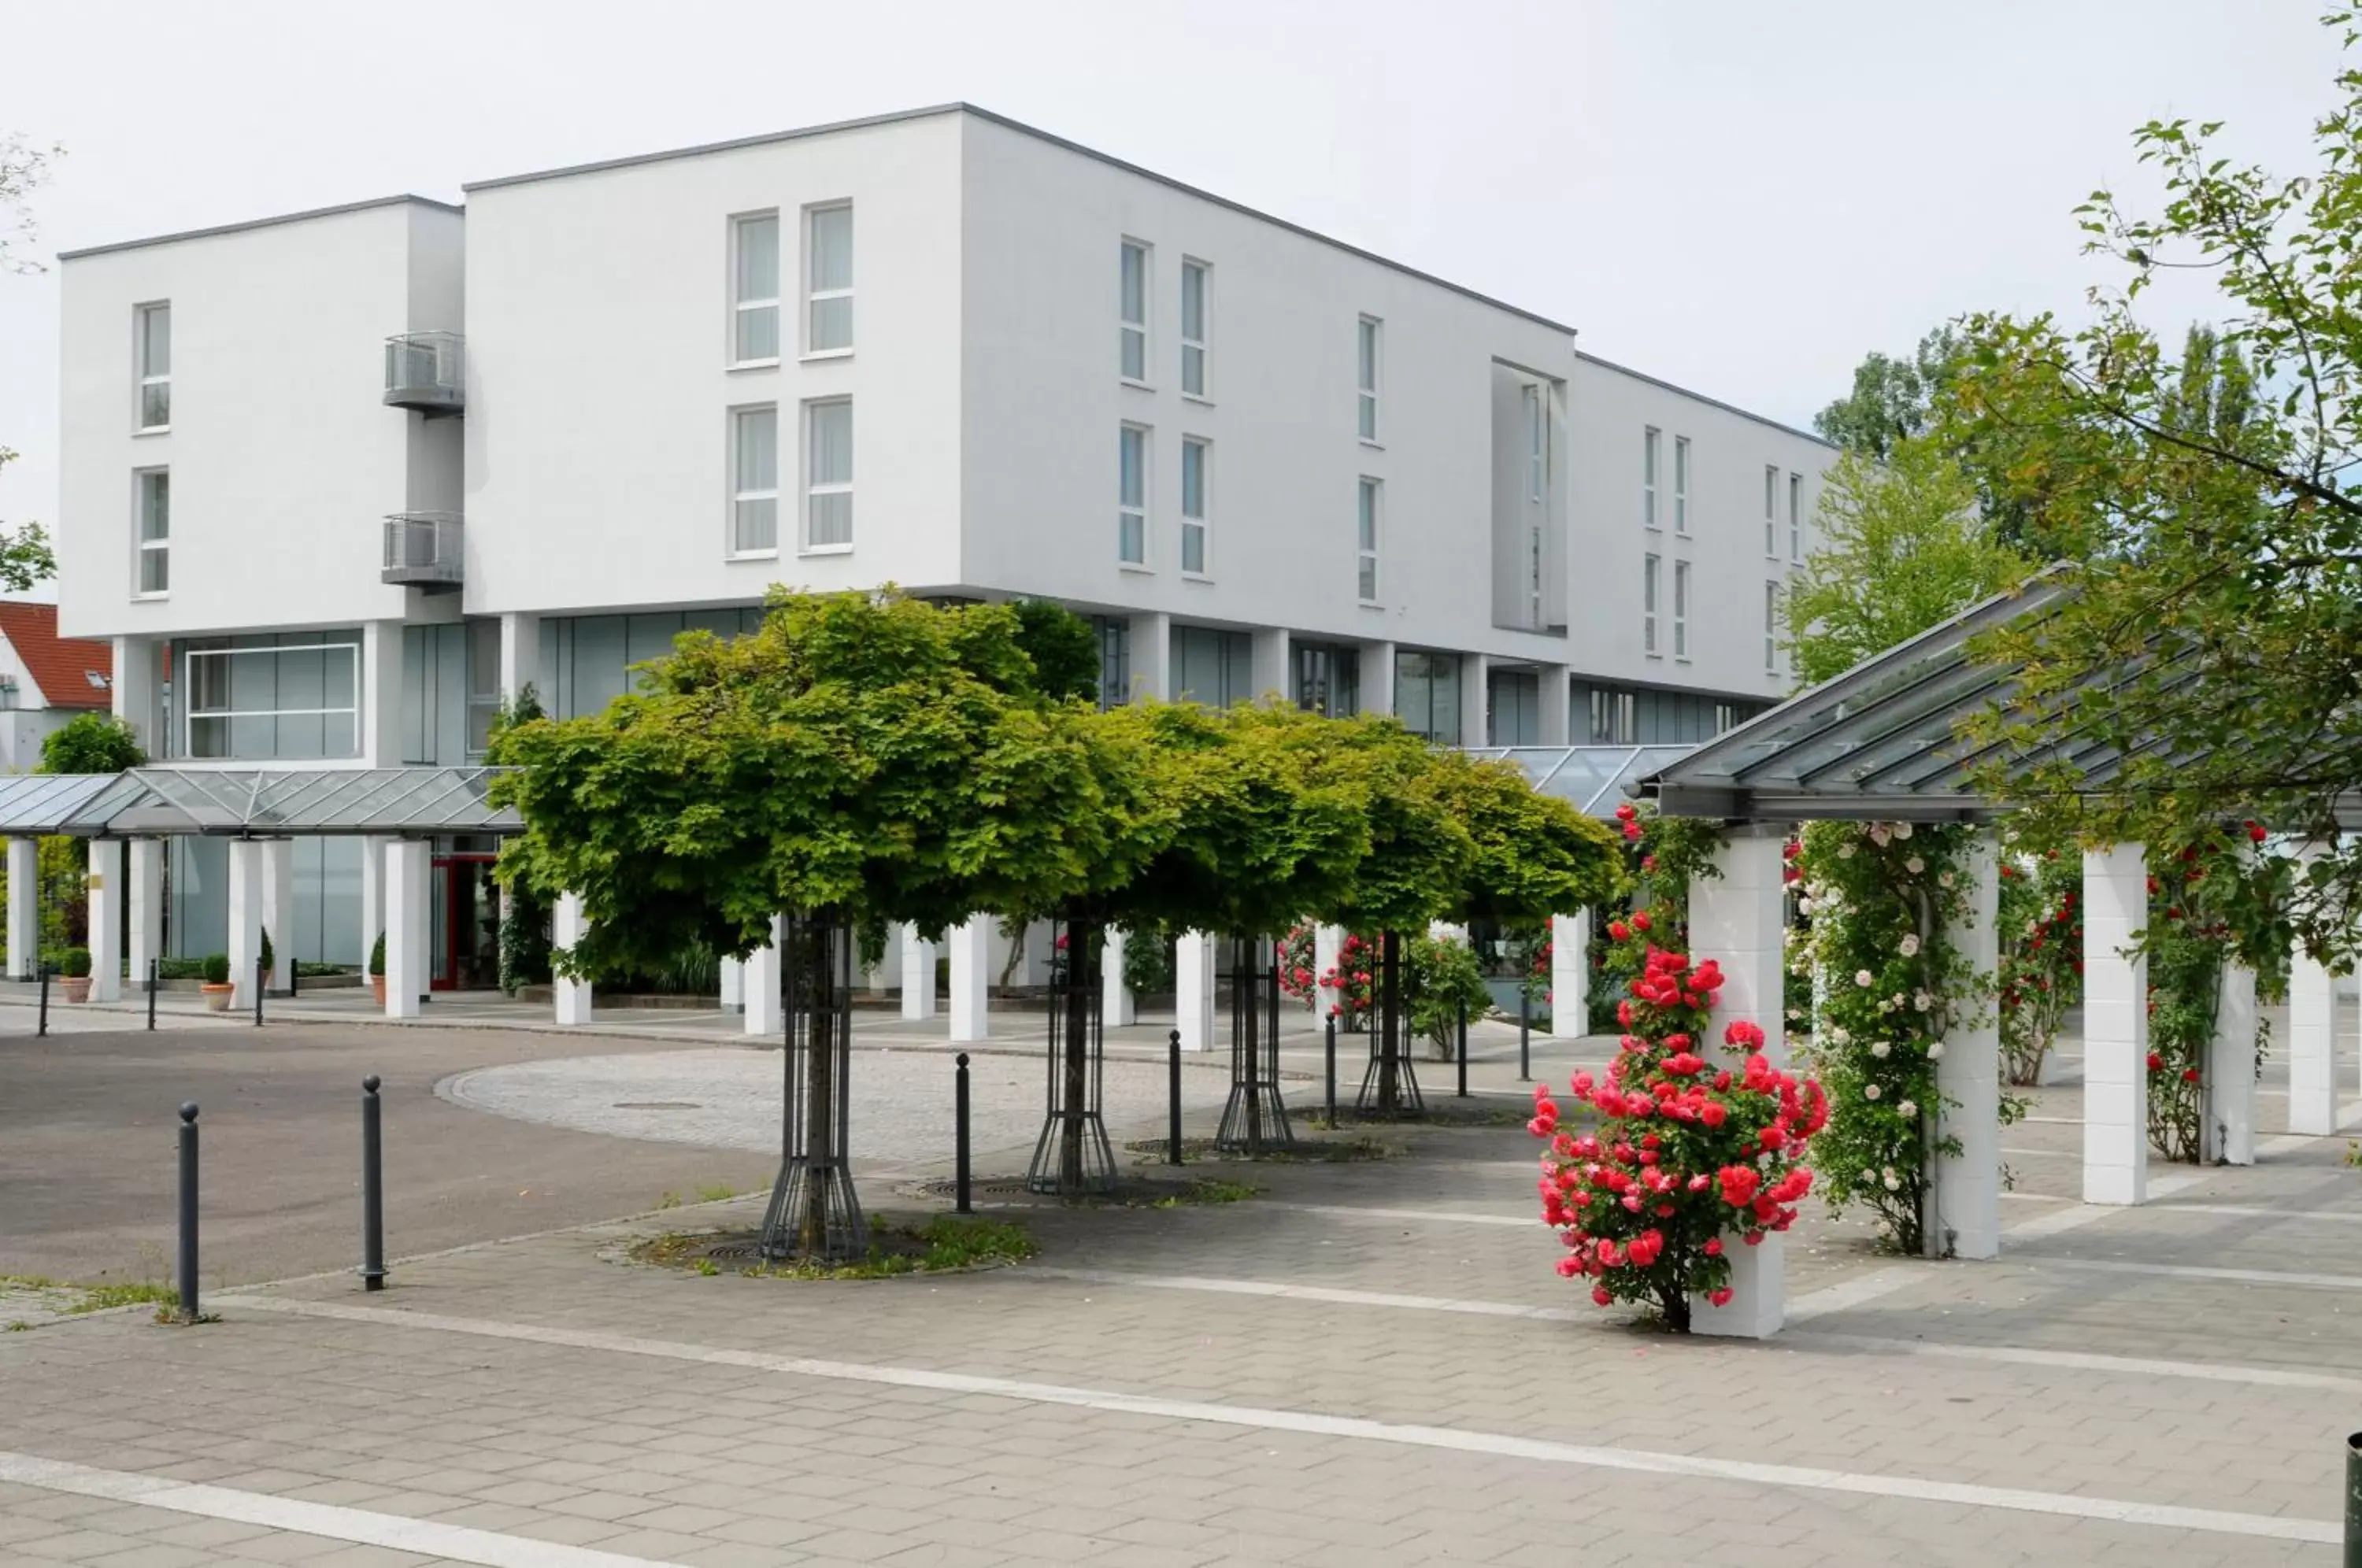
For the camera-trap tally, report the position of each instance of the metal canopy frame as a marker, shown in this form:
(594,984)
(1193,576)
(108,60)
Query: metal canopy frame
(1592,779)
(393,802)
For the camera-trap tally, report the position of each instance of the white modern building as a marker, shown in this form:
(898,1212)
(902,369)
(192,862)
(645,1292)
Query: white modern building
(336,483)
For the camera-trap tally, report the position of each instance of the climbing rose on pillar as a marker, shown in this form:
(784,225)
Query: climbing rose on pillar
(1693,1155)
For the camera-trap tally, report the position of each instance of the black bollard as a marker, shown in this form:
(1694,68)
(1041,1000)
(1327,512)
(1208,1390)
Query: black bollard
(258,973)
(44,1027)
(959,1138)
(188,1281)
(1173,1100)
(154,973)
(293,969)
(1328,1053)
(1524,1033)
(1464,1049)
(372,1189)
(2354,1501)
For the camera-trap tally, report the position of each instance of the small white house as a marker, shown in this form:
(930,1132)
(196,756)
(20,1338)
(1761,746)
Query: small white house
(45,680)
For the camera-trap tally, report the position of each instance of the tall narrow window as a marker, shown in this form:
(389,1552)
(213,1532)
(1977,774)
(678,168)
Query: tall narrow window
(1651,566)
(1194,284)
(755,482)
(1366,376)
(1193,505)
(1132,362)
(1796,517)
(1365,539)
(1771,489)
(155,331)
(1772,628)
(1681,609)
(754,288)
(1131,495)
(828,305)
(1537,443)
(828,475)
(1651,445)
(1681,484)
(154,503)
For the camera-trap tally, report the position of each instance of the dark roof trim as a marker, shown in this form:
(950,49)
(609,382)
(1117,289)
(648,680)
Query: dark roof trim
(1023,129)
(258,223)
(1709,401)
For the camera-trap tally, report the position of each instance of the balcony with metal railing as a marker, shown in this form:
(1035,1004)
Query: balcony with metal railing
(422,549)
(426,371)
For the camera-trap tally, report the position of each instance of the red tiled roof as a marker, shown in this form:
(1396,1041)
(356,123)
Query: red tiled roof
(61,667)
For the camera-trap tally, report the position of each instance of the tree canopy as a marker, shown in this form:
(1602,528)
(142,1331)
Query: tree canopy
(1892,400)
(91,743)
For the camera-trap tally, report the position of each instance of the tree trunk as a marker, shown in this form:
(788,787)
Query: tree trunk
(1389,1024)
(1082,978)
(819,988)
(1247,1005)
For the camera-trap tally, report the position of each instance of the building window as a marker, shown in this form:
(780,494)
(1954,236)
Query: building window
(1612,713)
(1131,495)
(154,503)
(1771,489)
(1650,566)
(1212,667)
(828,475)
(828,301)
(1772,628)
(1725,716)
(155,334)
(1192,504)
(1366,377)
(1365,541)
(289,695)
(1681,609)
(754,290)
(1681,484)
(1132,362)
(1115,659)
(755,480)
(1426,695)
(1796,518)
(1650,441)
(1194,284)
(450,692)
(1537,443)
(1328,679)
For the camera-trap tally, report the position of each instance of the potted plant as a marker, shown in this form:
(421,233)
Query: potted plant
(217,986)
(74,967)
(377,970)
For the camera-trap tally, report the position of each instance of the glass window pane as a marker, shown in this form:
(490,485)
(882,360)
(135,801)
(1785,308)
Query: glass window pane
(1369,417)
(758,332)
(155,404)
(1192,547)
(832,248)
(757,525)
(483,658)
(1193,301)
(1135,285)
(1193,371)
(832,442)
(758,258)
(1367,522)
(155,571)
(1369,577)
(1134,366)
(155,506)
(1369,357)
(1132,459)
(1193,479)
(1131,541)
(759,448)
(832,518)
(156,340)
(832,324)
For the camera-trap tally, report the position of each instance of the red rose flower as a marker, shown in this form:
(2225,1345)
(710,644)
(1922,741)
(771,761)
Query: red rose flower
(2156,1062)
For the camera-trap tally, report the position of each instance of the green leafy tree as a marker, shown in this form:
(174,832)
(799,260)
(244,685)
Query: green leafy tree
(1063,648)
(26,558)
(92,743)
(1892,400)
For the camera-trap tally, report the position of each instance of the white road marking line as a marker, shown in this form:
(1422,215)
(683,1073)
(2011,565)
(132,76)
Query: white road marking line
(1309,1293)
(1850,1292)
(1963,1493)
(2194,1271)
(1441,1216)
(459,1543)
(2133,1366)
(2083,1214)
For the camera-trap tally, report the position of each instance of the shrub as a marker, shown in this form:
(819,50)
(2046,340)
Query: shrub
(76,963)
(1441,976)
(216,969)
(377,956)
(270,959)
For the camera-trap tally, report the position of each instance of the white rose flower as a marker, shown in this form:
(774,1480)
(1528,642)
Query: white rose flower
(1804,906)
(1922,1000)
(1910,944)
(1864,978)
(1903,830)
(1879,836)
(1914,866)
(1935,1050)
(1845,852)
(1895,1183)
(1869,1091)
(1868,1175)
(1906,1109)
(1838,1036)
(1943,878)
(2033,927)
(1879,1048)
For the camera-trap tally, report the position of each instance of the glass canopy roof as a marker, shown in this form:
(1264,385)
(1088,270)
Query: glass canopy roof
(154,802)
(1594,779)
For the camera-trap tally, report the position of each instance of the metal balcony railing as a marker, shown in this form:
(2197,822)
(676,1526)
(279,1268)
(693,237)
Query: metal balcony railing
(426,371)
(424,549)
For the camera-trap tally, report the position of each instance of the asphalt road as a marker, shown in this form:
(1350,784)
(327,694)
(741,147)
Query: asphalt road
(89,1127)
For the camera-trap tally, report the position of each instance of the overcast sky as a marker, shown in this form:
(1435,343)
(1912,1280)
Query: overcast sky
(1739,197)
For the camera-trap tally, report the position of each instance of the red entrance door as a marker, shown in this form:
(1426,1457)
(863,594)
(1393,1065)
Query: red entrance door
(465,904)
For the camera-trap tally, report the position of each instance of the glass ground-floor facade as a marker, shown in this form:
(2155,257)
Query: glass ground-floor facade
(328,925)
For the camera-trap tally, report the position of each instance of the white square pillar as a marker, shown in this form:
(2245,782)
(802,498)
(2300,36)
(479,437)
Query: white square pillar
(1569,971)
(1556,706)
(1150,640)
(1378,675)
(2313,1046)
(734,984)
(381,697)
(971,943)
(279,908)
(886,974)
(144,897)
(2115,1026)
(761,995)
(1735,920)
(1270,660)
(1193,989)
(918,975)
(1328,944)
(521,655)
(407,927)
(104,892)
(567,926)
(2227,1122)
(23,907)
(132,690)
(373,865)
(1965,1196)
(1475,700)
(245,917)
(1117,1008)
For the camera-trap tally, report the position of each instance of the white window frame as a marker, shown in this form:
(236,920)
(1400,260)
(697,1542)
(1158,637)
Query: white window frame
(1131,328)
(1652,442)
(1772,628)
(1369,377)
(141,545)
(149,377)
(1651,570)
(1681,484)
(815,489)
(1681,577)
(739,497)
(1197,348)
(1204,450)
(814,297)
(191,712)
(1369,538)
(741,305)
(1129,509)
(1771,512)
(1796,519)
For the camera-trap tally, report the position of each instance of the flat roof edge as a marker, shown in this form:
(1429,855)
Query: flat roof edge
(1709,401)
(735,144)
(338,211)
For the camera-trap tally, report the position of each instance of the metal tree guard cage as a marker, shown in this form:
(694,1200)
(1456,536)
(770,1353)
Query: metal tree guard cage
(1390,1084)
(814,1212)
(1073,1156)
(1256,1117)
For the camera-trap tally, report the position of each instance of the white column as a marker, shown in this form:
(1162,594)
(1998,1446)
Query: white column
(1556,712)
(2115,1026)
(1735,921)
(1150,640)
(132,692)
(734,984)
(1965,1221)
(1570,972)
(567,926)
(971,975)
(521,656)
(245,917)
(918,975)
(1475,700)
(762,978)
(144,895)
(23,907)
(1117,1008)
(1328,941)
(1378,675)
(886,974)
(2228,1132)
(1270,660)
(279,908)
(2313,1046)
(373,865)
(104,892)
(1193,989)
(406,883)
(381,698)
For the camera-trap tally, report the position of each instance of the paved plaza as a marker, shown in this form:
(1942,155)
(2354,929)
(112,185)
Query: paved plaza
(1367,1362)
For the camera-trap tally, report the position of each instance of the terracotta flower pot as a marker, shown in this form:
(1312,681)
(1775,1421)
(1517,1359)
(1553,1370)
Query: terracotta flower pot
(218,996)
(76,986)
(377,988)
